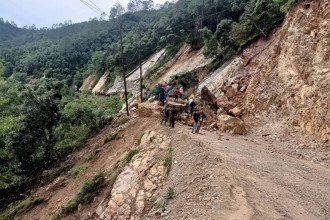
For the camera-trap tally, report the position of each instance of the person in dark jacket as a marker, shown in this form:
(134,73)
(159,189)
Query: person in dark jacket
(166,114)
(162,96)
(174,112)
(196,117)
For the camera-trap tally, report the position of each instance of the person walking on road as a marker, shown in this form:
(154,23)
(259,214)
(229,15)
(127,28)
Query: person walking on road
(174,112)
(166,113)
(157,91)
(162,96)
(196,117)
(176,95)
(201,119)
(181,92)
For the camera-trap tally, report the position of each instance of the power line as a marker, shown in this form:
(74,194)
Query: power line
(96,10)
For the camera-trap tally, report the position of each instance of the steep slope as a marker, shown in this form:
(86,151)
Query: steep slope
(100,85)
(87,84)
(186,60)
(282,84)
(133,78)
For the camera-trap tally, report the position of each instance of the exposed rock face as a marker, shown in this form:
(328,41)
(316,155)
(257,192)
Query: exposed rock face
(87,84)
(284,79)
(133,78)
(187,59)
(140,181)
(229,123)
(99,87)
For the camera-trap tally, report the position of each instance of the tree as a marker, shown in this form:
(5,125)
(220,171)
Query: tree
(116,11)
(211,43)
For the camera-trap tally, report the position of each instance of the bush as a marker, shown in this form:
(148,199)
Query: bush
(21,207)
(170,193)
(124,120)
(138,139)
(76,170)
(111,137)
(130,155)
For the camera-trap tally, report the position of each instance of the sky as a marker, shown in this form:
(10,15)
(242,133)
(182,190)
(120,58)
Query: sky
(45,13)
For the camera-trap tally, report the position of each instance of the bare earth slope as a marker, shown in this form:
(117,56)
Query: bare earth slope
(282,83)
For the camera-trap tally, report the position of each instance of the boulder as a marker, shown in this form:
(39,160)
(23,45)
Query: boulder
(150,110)
(229,123)
(236,111)
(222,101)
(213,125)
(235,87)
(208,97)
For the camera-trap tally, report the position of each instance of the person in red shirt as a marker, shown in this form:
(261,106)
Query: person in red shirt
(176,95)
(165,85)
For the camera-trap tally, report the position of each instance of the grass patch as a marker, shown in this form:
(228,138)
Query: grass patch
(170,193)
(124,120)
(86,194)
(21,207)
(138,139)
(167,161)
(91,155)
(76,170)
(130,155)
(111,137)
(160,205)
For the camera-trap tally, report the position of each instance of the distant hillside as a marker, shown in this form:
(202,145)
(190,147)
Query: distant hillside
(72,51)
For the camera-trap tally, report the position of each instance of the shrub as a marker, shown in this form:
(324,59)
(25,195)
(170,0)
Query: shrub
(124,120)
(170,193)
(138,139)
(21,207)
(76,170)
(130,155)
(111,137)
(167,161)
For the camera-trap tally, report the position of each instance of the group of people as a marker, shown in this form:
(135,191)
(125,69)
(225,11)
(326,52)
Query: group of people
(162,92)
(169,113)
(96,93)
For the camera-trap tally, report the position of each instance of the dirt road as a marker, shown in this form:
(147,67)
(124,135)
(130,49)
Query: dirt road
(267,183)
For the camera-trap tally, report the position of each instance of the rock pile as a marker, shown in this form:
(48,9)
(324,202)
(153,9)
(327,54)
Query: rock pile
(139,182)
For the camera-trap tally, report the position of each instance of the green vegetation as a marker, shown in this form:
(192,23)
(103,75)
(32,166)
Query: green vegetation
(91,155)
(124,120)
(111,137)
(138,139)
(86,194)
(130,155)
(167,161)
(160,205)
(77,170)
(170,193)
(21,207)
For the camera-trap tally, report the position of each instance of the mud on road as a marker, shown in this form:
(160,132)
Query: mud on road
(236,178)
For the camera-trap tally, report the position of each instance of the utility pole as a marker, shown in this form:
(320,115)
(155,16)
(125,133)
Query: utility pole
(123,64)
(203,13)
(141,89)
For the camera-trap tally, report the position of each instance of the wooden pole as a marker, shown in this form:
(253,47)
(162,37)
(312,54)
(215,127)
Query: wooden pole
(123,64)
(141,80)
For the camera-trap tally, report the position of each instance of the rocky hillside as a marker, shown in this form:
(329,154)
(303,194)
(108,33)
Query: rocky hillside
(280,85)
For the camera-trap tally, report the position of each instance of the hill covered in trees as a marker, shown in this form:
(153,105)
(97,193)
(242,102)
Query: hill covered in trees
(43,120)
